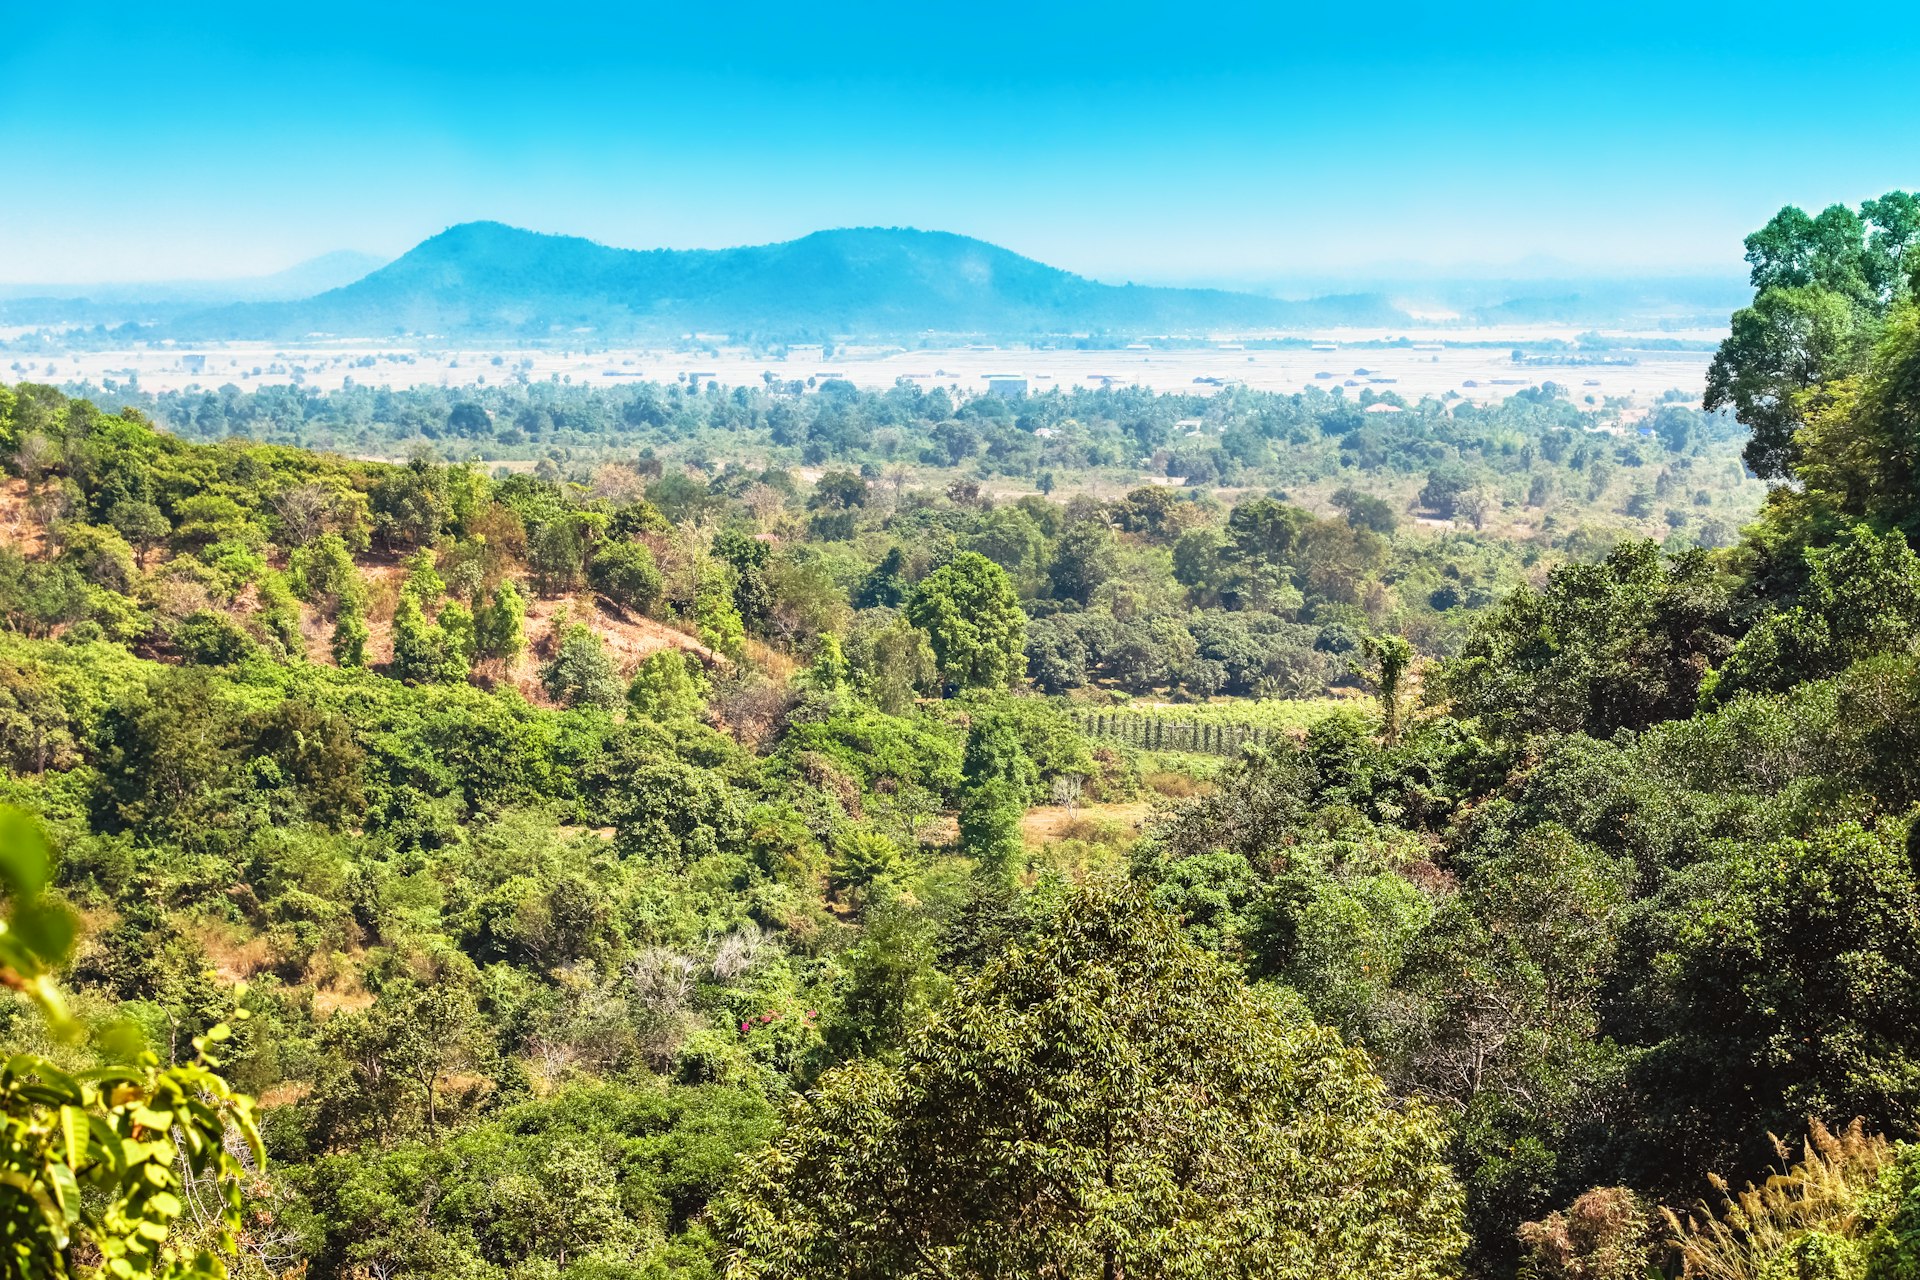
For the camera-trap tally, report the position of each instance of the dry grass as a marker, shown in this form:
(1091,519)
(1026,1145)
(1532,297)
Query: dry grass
(235,956)
(1174,786)
(630,639)
(1822,1192)
(284,1093)
(778,665)
(1097,822)
(350,1001)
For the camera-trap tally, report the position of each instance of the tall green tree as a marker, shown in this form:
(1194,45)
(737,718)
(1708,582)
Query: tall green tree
(1822,286)
(1083,559)
(500,625)
(1392,662)
(668,687)
(749,559)
(996,781)
(350,635)
(581,673)
(625,573)
(885,587)
(458,636)
(165,759)
(422,651)
(1617,645)
(1860,450)
(1102,1100)
(972,617)
(1862,598)
(715,614)
(1781,990)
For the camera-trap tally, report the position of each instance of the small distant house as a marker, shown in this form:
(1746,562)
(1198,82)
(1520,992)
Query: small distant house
(1007,385)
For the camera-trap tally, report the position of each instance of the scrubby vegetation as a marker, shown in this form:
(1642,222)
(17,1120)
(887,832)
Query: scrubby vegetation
(677,870)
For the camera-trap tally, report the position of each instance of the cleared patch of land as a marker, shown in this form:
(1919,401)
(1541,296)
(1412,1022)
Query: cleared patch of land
(1052,822)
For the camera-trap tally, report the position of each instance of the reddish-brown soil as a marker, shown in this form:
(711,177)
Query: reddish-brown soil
(18,528)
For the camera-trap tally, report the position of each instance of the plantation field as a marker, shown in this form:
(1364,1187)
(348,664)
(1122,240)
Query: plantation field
(1216,728)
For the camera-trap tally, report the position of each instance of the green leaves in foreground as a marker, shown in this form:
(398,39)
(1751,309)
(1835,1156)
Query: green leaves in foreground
(101,1167)
(35,934)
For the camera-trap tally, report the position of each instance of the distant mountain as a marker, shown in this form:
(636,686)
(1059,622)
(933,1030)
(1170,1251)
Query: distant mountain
(160,301)
(1692,301)
(315,275)
(484,279)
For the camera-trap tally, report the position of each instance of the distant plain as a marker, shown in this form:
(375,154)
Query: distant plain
(1473,364)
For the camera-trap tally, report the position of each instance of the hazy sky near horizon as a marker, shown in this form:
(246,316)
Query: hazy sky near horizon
(1123,141)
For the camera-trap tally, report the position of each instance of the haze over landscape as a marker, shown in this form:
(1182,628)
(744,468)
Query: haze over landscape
(952,643)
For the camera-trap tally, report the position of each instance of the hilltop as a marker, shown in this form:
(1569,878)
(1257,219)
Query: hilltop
(489,279)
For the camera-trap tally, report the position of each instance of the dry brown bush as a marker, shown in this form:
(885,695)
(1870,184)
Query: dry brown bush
(1605,1234)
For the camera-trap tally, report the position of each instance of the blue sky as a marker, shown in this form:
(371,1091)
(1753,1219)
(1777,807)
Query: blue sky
(1155,142)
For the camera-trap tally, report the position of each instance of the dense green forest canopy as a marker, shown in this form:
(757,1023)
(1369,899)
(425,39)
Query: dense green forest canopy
(731,848)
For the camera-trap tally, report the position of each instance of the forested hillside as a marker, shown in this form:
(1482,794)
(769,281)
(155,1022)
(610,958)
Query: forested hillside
(713,852)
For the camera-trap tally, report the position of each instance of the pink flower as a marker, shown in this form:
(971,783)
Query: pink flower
(745,1027)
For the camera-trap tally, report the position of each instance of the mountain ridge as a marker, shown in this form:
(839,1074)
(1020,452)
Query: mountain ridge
(491,279)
